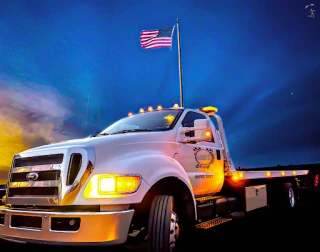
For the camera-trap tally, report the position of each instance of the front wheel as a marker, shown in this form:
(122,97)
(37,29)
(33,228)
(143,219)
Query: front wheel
(163,226)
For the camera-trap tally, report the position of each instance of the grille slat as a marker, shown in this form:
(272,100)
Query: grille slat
(33,191)
(43,176)
(39,160)
(36,168)
(47,183)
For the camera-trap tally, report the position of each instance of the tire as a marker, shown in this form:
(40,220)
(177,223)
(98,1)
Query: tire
(289,196)
(163,228)
(282,196)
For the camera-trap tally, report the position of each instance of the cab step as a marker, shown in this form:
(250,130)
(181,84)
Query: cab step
(206,199)
(211,223)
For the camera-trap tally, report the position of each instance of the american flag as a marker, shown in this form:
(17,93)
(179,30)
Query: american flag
(161,38)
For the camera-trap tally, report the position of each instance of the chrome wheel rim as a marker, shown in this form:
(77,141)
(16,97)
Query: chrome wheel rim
(174,230)
(291,198)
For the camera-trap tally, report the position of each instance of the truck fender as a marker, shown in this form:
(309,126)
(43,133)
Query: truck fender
(152,167)
(155,167)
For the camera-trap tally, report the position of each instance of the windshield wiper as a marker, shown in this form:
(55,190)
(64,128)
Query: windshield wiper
(103,134)
(128,131)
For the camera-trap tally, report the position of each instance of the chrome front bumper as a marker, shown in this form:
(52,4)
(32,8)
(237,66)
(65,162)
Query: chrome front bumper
(96,228)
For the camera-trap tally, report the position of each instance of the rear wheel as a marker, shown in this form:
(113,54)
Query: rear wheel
(163,226)
(282,196)
(292,199)
(289,195)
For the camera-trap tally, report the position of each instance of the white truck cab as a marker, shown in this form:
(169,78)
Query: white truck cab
(152,174)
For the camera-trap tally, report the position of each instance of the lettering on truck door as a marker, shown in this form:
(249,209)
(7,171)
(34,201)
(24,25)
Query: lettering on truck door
(202,161)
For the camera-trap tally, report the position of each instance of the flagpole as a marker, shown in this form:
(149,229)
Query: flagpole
(180,62)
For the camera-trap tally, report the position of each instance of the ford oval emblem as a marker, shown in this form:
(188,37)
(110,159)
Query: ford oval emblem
(32,176)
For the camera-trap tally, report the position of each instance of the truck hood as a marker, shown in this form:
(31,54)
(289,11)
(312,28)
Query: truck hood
(111,140)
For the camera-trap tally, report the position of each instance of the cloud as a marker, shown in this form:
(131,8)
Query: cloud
(30,115)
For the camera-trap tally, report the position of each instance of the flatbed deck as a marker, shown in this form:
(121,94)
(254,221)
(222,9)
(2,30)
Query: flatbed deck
(274,171)
(270,174)
(283,167)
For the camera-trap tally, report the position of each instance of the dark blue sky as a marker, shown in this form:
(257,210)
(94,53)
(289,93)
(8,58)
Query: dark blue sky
(257,61)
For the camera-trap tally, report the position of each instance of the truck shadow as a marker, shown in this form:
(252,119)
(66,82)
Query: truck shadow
(267,228)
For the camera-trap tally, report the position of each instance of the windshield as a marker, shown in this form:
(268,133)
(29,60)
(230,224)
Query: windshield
(149,121)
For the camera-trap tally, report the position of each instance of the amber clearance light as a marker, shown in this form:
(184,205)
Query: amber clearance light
(209,109)
(207,133)
(104,185)
(237,176)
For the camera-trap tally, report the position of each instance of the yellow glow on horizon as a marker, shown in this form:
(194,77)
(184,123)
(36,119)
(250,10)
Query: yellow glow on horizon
(11,142)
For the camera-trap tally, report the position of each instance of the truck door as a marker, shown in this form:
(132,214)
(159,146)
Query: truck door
(202,161)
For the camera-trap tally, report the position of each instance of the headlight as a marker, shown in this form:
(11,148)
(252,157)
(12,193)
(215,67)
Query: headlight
(106,185)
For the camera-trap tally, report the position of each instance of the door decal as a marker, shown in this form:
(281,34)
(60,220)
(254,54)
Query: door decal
(204,157)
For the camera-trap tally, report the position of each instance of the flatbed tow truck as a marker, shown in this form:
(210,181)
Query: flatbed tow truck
(152,177)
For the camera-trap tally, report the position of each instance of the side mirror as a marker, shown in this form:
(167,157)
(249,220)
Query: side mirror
(202,132)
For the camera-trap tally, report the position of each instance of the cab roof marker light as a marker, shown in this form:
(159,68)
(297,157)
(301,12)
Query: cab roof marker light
(208,109)
(175,106)
(141,111)
(150,109)
(130,114)
(159,107)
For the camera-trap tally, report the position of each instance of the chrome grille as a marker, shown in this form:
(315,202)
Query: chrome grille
(48,180)
(43,186)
